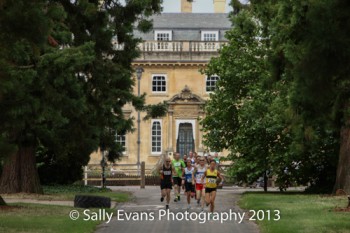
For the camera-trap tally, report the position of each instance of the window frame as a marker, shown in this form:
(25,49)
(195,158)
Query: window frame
(163,31)
(161,137)
(209,32)
(125,141)
(166,84)
(206,80)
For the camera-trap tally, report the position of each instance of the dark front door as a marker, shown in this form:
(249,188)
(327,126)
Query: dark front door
(185,141)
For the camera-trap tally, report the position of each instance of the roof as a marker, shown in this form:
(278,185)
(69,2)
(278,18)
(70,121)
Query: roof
(191,21)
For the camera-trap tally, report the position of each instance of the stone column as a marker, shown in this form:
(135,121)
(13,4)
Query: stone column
(170,130)
(200,133)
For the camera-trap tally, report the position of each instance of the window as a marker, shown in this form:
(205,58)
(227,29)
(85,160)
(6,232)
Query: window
(210,36)
(158,83)
(156,137)
(121,139)
(211,83)
(163,37)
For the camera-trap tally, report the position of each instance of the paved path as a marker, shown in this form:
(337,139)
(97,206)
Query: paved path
(147,201)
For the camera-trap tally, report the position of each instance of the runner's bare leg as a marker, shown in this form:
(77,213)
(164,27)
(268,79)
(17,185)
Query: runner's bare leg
(168,196)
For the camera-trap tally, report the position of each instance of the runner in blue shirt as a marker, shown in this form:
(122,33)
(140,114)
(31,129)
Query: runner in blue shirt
(187,181)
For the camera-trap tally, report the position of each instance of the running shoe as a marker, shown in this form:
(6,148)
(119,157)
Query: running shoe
(162,199)
(175,200)
(167,207)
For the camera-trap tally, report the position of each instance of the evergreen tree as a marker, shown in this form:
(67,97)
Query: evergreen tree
(63,83)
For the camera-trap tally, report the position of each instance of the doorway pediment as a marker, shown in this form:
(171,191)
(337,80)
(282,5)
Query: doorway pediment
(186,97)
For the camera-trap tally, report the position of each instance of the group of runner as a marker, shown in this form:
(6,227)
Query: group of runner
(197,176)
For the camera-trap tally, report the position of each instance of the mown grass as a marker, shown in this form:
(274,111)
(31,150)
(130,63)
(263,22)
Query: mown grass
(43,218)
(29,218)
(67,193)
(299,212)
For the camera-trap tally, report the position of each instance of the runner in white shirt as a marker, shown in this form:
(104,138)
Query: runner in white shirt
(197,180)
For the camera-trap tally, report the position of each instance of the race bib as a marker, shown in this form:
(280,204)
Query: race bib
(211,181)
(199,176)
(189,180)
(167,173)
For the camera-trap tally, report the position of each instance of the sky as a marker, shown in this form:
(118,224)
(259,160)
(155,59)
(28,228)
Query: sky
(198,6)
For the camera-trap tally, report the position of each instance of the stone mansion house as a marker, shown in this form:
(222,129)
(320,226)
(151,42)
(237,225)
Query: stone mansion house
(172,55)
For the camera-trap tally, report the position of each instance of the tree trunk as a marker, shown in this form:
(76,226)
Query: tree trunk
(20,173)
(265,181)
(343,169)
(10,177)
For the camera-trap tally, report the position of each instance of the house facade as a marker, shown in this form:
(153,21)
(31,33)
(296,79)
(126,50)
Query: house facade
(172,56)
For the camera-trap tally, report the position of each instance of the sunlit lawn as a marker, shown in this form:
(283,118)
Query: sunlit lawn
(22,217)
(300,213)
(43,218)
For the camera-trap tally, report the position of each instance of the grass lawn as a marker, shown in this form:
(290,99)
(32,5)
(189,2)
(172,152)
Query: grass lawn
(67,193)
(299,212)
(43,218)
(22,217)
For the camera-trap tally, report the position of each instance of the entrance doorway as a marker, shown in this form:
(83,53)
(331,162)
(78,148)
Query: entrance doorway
(185,140)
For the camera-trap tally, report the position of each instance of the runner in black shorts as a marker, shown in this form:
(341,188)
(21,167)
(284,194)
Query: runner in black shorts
(178,166)
(211,175)
(166,181)
(187,181)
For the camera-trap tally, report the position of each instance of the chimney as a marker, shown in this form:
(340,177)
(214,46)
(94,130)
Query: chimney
(186,6)
(219,6)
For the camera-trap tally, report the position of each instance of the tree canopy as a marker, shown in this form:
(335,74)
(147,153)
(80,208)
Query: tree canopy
(281,105)
(63,82)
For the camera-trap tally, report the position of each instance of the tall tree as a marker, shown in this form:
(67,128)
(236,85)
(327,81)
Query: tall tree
(312,38)
(306,47)
(63,82)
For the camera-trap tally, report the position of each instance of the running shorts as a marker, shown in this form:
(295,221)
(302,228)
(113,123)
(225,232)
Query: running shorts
(189,187)
(177,181)
(209,190)
(166,185)
(199,187)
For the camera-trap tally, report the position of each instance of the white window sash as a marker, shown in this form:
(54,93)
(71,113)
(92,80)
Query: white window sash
(161,137)
(206,80)
(166,83)
(210,32)
(165,32)
(125,142)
